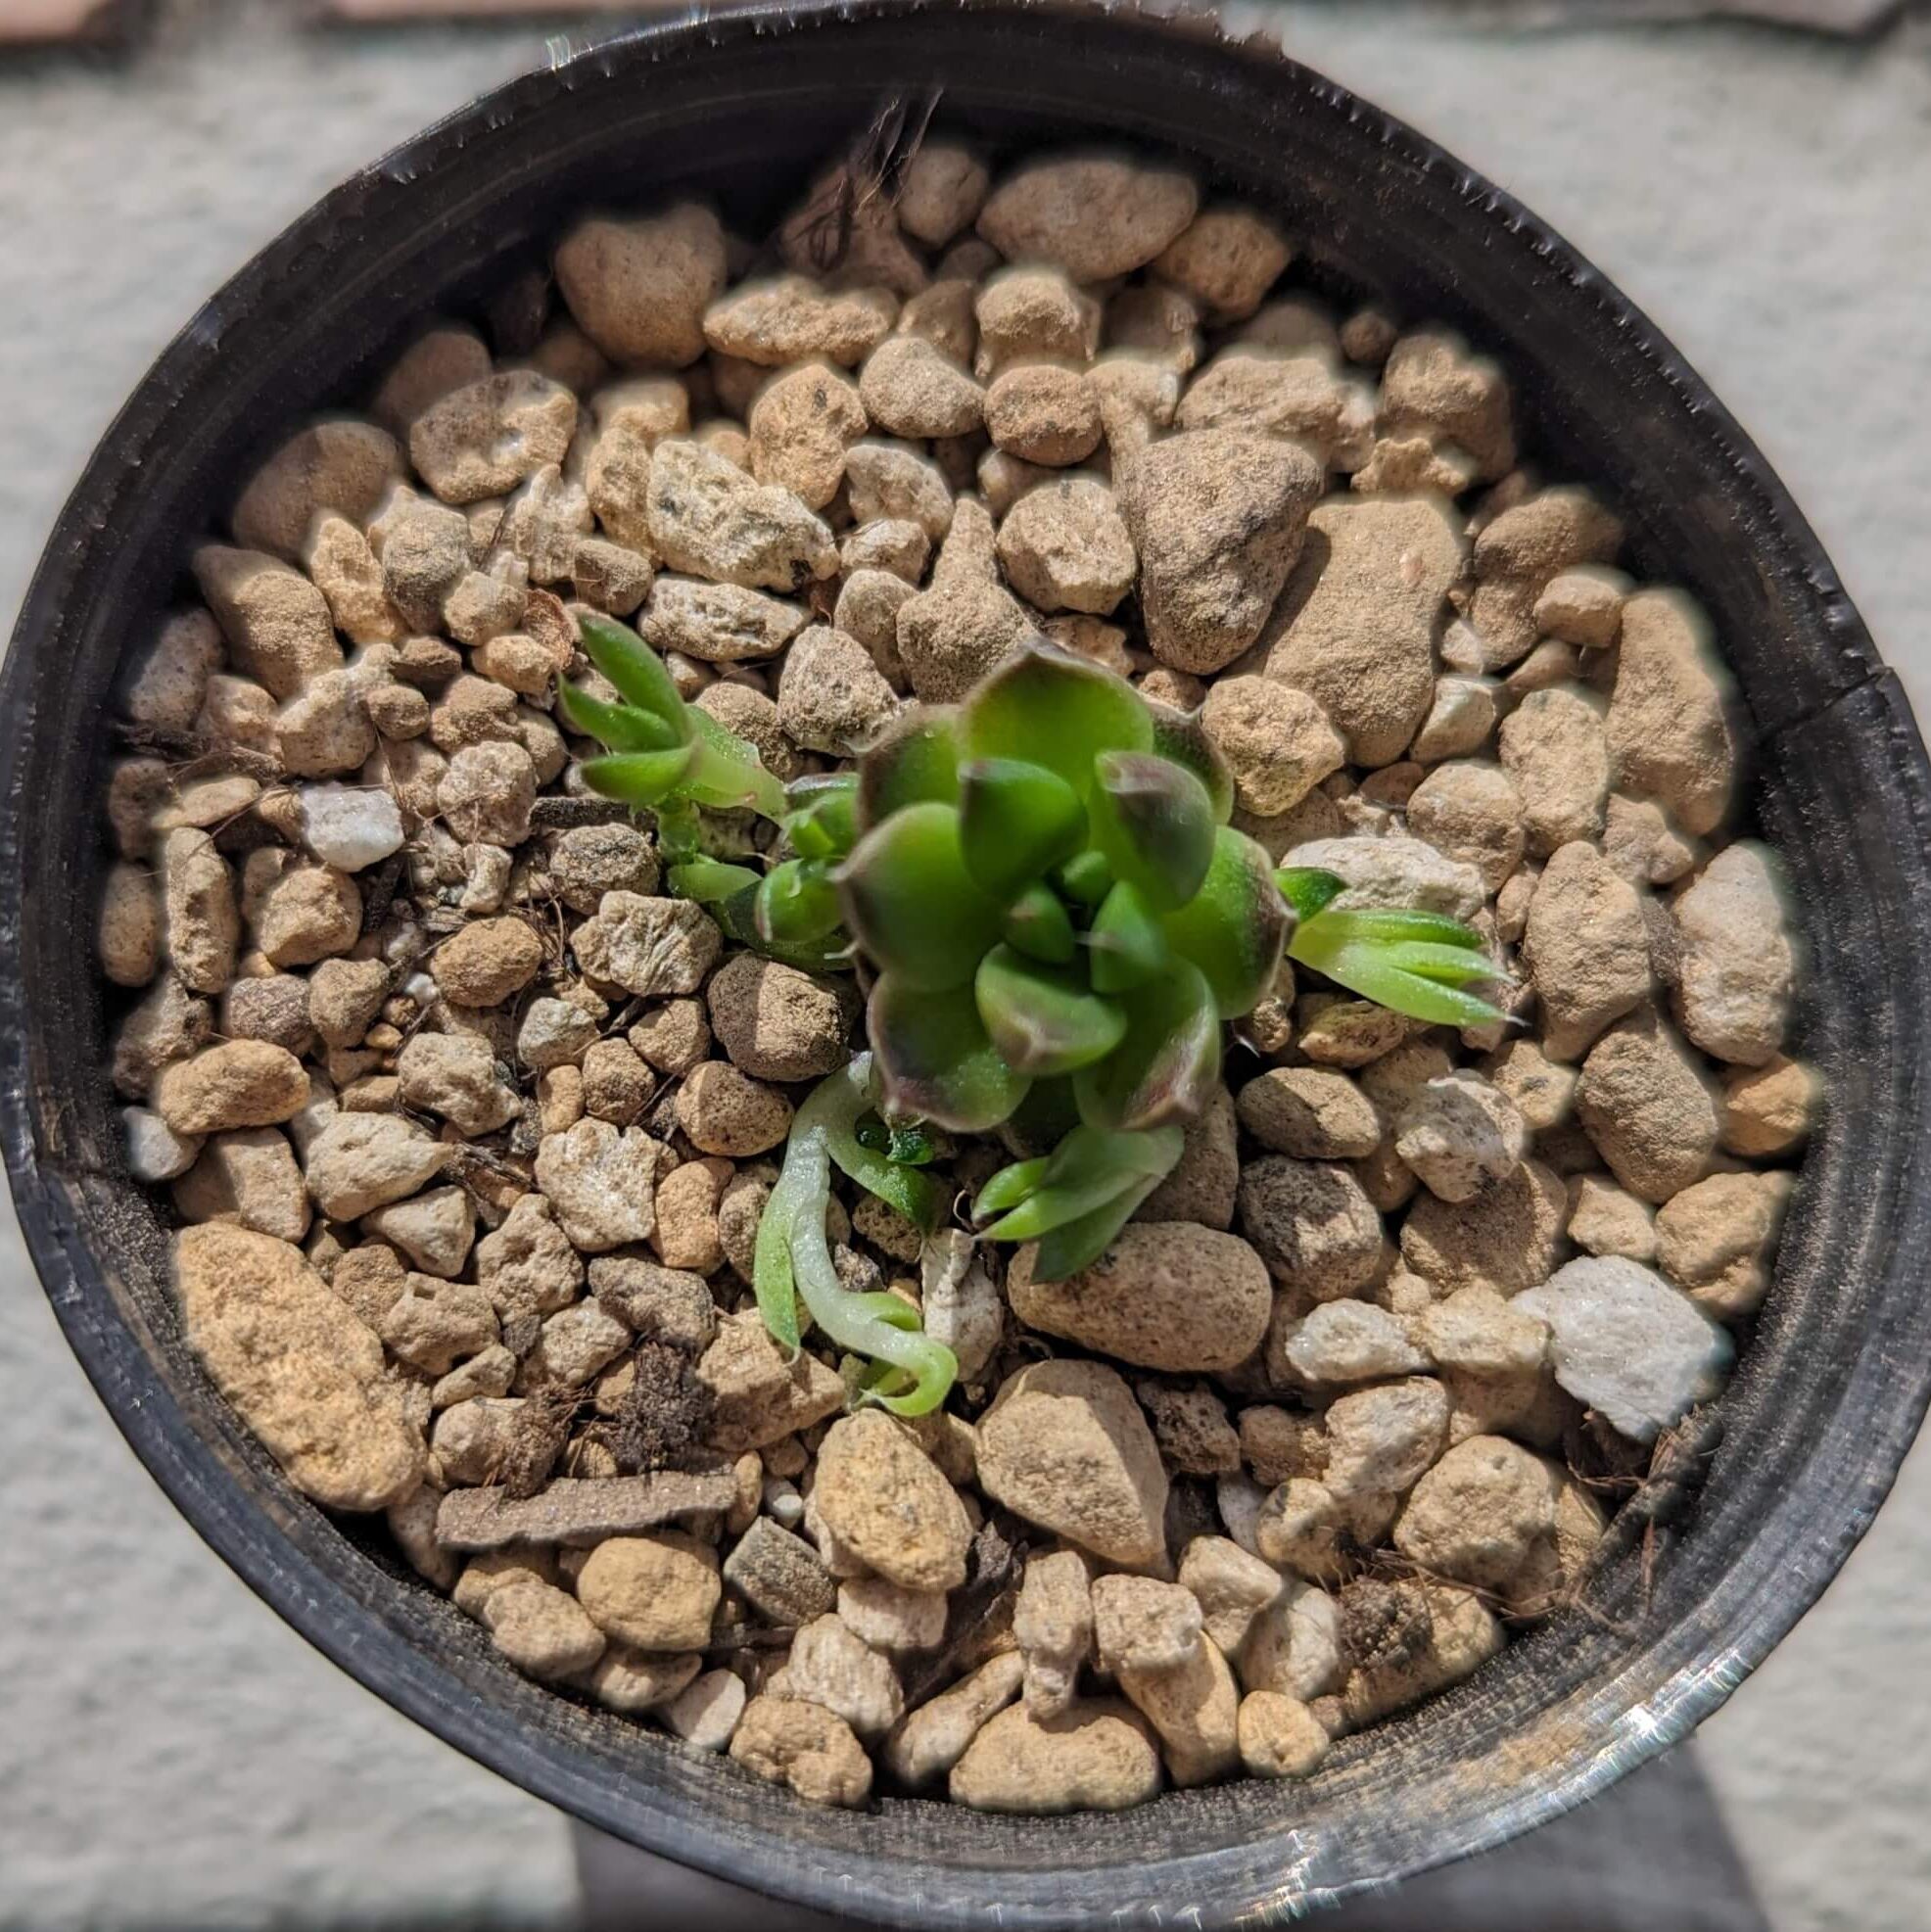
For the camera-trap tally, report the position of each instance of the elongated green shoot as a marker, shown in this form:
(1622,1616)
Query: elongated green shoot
(793,1259)
(1074,1201)
(1412,962)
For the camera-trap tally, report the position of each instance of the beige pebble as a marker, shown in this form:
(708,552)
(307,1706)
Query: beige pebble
(1279,1736)
(275,621)
(1217,518)
(805,1747)
(640,289)
(801,425)
(792,318)
(1096,215)
(1354,627)
(1064,1445)
(1649,1106)
(1768,1109)
(1098,1755)
(301,1370)
(1043,413)
(1065,546)
(1228,258)
(654,1594)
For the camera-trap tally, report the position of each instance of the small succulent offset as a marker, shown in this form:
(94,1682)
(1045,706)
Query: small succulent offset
(898,1365)
(1059,920)
(674,760)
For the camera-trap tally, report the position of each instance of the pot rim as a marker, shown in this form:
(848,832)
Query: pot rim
(211,1487)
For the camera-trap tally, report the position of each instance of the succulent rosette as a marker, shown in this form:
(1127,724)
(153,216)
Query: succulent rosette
(1057,921)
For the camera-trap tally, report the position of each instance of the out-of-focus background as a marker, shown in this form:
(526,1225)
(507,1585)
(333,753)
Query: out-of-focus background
(171,1755)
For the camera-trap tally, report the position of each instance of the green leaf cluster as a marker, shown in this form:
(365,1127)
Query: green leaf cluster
(1047,883)
(1418,964)
(674,760)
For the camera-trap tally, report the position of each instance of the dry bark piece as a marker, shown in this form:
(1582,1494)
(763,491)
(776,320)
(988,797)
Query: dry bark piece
(572,1511)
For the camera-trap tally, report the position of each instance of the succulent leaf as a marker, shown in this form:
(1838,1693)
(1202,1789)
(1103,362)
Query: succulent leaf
(1126,944)
(1181,737)
(636,670)
(1308,888)
(1154,820)
(737,915)
(911,904)
(1016,821)
(822,819)
(1449,965)
(855,1322)
(1420,977)
(1087,1169)
(903,1144)
(727,770)
(1038,924)
(1043,1020)
(915,762)
(709,880)
(1052,709)
(1384,923)
(796,902)
(1078,1244)
(1076,1202)
(1009,1187)
(619,726)
(841,1105)
(935,1059)
(1085,879)
(1166,1067)
(638,777)
(1233,927)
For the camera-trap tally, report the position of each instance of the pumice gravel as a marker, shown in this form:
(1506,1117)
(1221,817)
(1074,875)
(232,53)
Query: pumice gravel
(471,1106)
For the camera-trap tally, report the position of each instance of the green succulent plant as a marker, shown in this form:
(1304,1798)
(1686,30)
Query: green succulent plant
(1412,962)
(1058,919)
(1062,919)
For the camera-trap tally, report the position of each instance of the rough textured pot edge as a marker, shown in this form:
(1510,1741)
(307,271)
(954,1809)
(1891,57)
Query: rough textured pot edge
(243,1525)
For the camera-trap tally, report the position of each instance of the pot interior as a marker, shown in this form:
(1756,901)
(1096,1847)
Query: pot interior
(1830,1387)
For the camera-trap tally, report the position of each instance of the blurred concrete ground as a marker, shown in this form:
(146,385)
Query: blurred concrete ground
(170,1754)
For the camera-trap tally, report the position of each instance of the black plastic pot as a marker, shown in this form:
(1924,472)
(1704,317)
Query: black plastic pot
(1832,1387)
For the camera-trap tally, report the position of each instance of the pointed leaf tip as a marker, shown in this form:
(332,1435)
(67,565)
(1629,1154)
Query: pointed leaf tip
(631,665)
(1154,820)
(1017,822)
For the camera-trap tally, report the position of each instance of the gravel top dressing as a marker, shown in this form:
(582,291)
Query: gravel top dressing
(966,999)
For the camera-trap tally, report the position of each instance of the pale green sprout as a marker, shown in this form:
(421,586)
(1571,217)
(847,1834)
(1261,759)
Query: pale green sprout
(1411,963)
(910,1372)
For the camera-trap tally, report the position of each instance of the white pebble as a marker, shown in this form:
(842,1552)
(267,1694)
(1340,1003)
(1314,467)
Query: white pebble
(350,826)
(1628,1344)
(783,1502)
(705,1713)
(155,1150)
